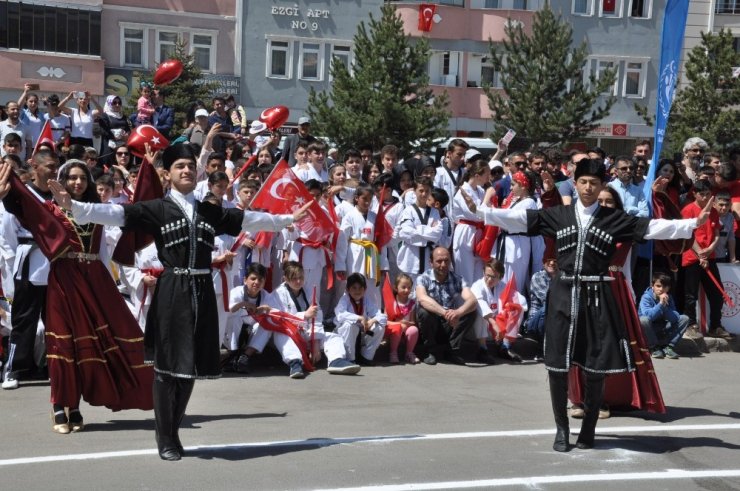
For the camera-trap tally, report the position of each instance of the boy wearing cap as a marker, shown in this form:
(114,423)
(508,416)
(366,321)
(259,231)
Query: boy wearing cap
(181,338)
(583,321)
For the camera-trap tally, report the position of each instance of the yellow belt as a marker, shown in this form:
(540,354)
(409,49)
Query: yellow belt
(371,253)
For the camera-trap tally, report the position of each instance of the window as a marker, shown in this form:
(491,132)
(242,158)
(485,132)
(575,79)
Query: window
(640,9)
(727,7)
(166,42)
(201,49)
(133,47)
(492,4)
(51,29)
(488,75)
(311,64)
(610,8)
(604,65)
(583,7)
(279,59)
(736,44)
(445,67)
(341,54)
(634,79)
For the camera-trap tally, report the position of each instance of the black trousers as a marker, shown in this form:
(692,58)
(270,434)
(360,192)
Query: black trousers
(29,303)
(437,335)
(693,275)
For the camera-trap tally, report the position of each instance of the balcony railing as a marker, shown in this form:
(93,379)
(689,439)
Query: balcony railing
(727,7)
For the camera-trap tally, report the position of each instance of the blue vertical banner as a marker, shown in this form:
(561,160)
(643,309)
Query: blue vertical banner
(671,43)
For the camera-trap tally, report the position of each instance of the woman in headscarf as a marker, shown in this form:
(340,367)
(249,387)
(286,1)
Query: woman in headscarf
(115,127)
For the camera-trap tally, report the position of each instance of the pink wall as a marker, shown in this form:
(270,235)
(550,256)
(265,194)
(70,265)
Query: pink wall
(466,102)
(217,7)
(92,73)
(459,23)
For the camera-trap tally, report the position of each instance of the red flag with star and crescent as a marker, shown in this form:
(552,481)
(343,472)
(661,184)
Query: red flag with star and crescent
(283,193)
(45,137)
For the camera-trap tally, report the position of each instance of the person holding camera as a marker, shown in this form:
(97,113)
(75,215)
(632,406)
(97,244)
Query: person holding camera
(82,117)
(30,114)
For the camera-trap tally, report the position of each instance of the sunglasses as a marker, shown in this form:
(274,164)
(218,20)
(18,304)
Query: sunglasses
(122,153)
(115,103)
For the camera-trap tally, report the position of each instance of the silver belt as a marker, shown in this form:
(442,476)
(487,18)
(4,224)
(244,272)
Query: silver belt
(191,271)
(582,278)
(82,256)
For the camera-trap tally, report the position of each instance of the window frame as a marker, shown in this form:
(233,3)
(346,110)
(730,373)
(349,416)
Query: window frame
(589,7)
(616,62)
(319,60)
(158,43)
(211,48)
(333,50)
(648,15)
(642,82)
(288,58)
(144,44)
(618,4)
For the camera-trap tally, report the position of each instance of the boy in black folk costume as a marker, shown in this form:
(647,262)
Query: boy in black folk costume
(583,324)
(181,337)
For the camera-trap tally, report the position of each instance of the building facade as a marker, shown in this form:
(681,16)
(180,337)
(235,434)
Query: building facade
(288,46)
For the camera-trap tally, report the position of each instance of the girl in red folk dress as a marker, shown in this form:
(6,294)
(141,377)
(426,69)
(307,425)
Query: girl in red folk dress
(95,348)
(639,389)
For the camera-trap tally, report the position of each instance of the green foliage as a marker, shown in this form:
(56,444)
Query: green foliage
(385,98)
(708,106)
(181,93)
(544,97)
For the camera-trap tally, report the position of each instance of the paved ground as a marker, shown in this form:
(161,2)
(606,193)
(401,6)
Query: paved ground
(400,427)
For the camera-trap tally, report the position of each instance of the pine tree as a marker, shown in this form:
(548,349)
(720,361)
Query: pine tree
(385,97)
(181,93)
(707,106)
(544,98)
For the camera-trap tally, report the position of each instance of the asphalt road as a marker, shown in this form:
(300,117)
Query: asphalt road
(392,427)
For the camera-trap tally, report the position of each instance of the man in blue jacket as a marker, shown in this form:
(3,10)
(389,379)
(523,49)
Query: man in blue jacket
(662,324)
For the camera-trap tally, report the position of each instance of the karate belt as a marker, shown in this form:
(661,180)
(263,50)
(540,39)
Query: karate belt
(329,265)
(190,271)
(372,258)
(472,223)
(594,279)
(82,256)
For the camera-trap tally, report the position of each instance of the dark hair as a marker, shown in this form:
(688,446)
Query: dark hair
(352,153)
(599,151)
(441,196)
(216,156)
(675,183)
(391,150)
(423,181)
(316,146)
(217,176)
(256,269)
(105,180)
(365,146)
(363,188)
(476,169)
(291,269)
(248,183)
(615,196)
(496,265)
(457,142)
(76,151)
(12,138)
(701,186)
(383,179)
(218,98)
(356,279)
(366,169)
(727,171)
(90,195)
(722,195)
(312,185)
(664,278)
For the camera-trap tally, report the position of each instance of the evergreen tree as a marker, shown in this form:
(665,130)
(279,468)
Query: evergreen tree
(385,97)
(181,93)
(544,98)
(707,106)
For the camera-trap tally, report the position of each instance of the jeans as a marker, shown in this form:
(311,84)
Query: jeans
(536,324)
(661,332)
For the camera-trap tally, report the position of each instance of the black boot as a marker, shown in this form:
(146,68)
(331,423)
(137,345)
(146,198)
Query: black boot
(592,400)
(182,396)
(559,399)
(164,389)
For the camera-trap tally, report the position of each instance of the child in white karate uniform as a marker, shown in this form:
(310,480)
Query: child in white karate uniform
(420,230)
(359,316)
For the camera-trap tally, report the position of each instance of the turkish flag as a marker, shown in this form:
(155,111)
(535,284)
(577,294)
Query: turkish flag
(510,311)
(383,230)
(283,193)
(146,133)
(289,325)
(45,137)
(148,187)
(426,16)
(389,299)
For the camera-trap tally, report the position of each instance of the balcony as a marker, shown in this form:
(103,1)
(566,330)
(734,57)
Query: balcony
(727,7)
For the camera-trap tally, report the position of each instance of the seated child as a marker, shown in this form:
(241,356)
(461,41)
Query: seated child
(660,321)
(359,321)
(401,320)
(488,291)
(291,298)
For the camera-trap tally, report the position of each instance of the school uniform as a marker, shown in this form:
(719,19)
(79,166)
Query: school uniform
(468,231)
(349,316)
(420,229)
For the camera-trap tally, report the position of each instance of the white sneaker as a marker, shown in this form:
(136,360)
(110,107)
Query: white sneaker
(10,382)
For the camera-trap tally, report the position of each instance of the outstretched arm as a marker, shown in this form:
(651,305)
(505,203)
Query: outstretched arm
(514,221)
(677,229)
(102,213)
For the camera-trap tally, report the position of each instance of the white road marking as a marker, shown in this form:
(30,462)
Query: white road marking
(323,442)
(538,480)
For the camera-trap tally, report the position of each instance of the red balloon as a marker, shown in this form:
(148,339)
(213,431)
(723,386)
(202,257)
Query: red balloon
(167,72)
(275,117)
(146,133)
